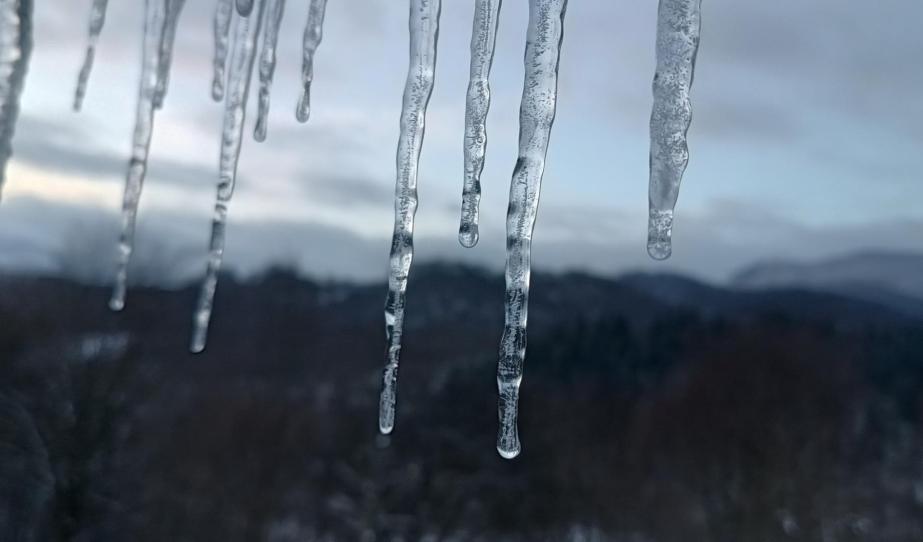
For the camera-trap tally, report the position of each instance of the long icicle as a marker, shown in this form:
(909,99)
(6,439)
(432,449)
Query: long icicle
(243,55)
(222,25)
(274,11)
(483,39)
(424,32)
(313,34)
(678,27)
(97,21)
(15,51)
(536,116)
(174,10)
(245,7)
(154,18)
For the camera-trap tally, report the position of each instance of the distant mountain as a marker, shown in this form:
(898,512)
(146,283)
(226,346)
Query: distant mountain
(895,279)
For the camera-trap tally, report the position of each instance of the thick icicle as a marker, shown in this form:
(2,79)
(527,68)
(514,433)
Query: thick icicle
(483,39)
(313,34)
(222,26)
(274,11)
(424,31)
(174,10)
(679,22)
(536,116)
(15,50)
(154,18)
(243,55)
(97,21)
(245,7)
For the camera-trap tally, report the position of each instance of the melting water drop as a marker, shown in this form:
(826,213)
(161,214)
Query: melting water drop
(678,26)
(483,39)
(536,116)
(154,20)
(313,34)
(424,31)
(222,26)
(243,56)
(245,7)
(97,21)
(15,50)
(274,12)
(174,10)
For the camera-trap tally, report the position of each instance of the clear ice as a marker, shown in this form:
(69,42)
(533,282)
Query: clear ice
(424,31)
(274,11)
(678,26)
(483,39)
(313,34)
(154,19)
(15,50)
(97,21)
(222,25)
(536,116)
(243,55)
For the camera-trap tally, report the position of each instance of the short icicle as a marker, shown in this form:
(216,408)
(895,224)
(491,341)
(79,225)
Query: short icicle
(243,55)
(154,18)
(536,116)
(222,25)
(274,11)
(483,39)
(424,31)
(678,26)
(245,7)
(313,34)
(15,51)
(174,10)
(97,21)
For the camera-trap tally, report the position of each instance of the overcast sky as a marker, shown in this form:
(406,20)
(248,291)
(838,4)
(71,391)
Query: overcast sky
(806,141)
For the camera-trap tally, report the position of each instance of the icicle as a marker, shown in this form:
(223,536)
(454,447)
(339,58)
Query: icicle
(15,50)
(222,26)
(678,26)
(97,20)
(483,39)
(536,116)
(244,7)
(424,30)
(243,55)
(274,11)
(154,19)
(313,34)
(174,9)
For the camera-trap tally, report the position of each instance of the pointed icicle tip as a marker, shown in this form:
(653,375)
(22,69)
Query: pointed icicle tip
(245,7)
(468,235)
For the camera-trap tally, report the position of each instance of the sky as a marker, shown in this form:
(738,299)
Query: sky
(805,142)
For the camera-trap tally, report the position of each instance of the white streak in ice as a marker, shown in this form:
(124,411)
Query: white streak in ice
(274,11)
(174,10)
(222,26)
(313,34)
(424,32)
(97,21)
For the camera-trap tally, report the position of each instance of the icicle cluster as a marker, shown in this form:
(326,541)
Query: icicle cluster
(231,84)
(238,27)
(545,32)
(678,26)
(15,49)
